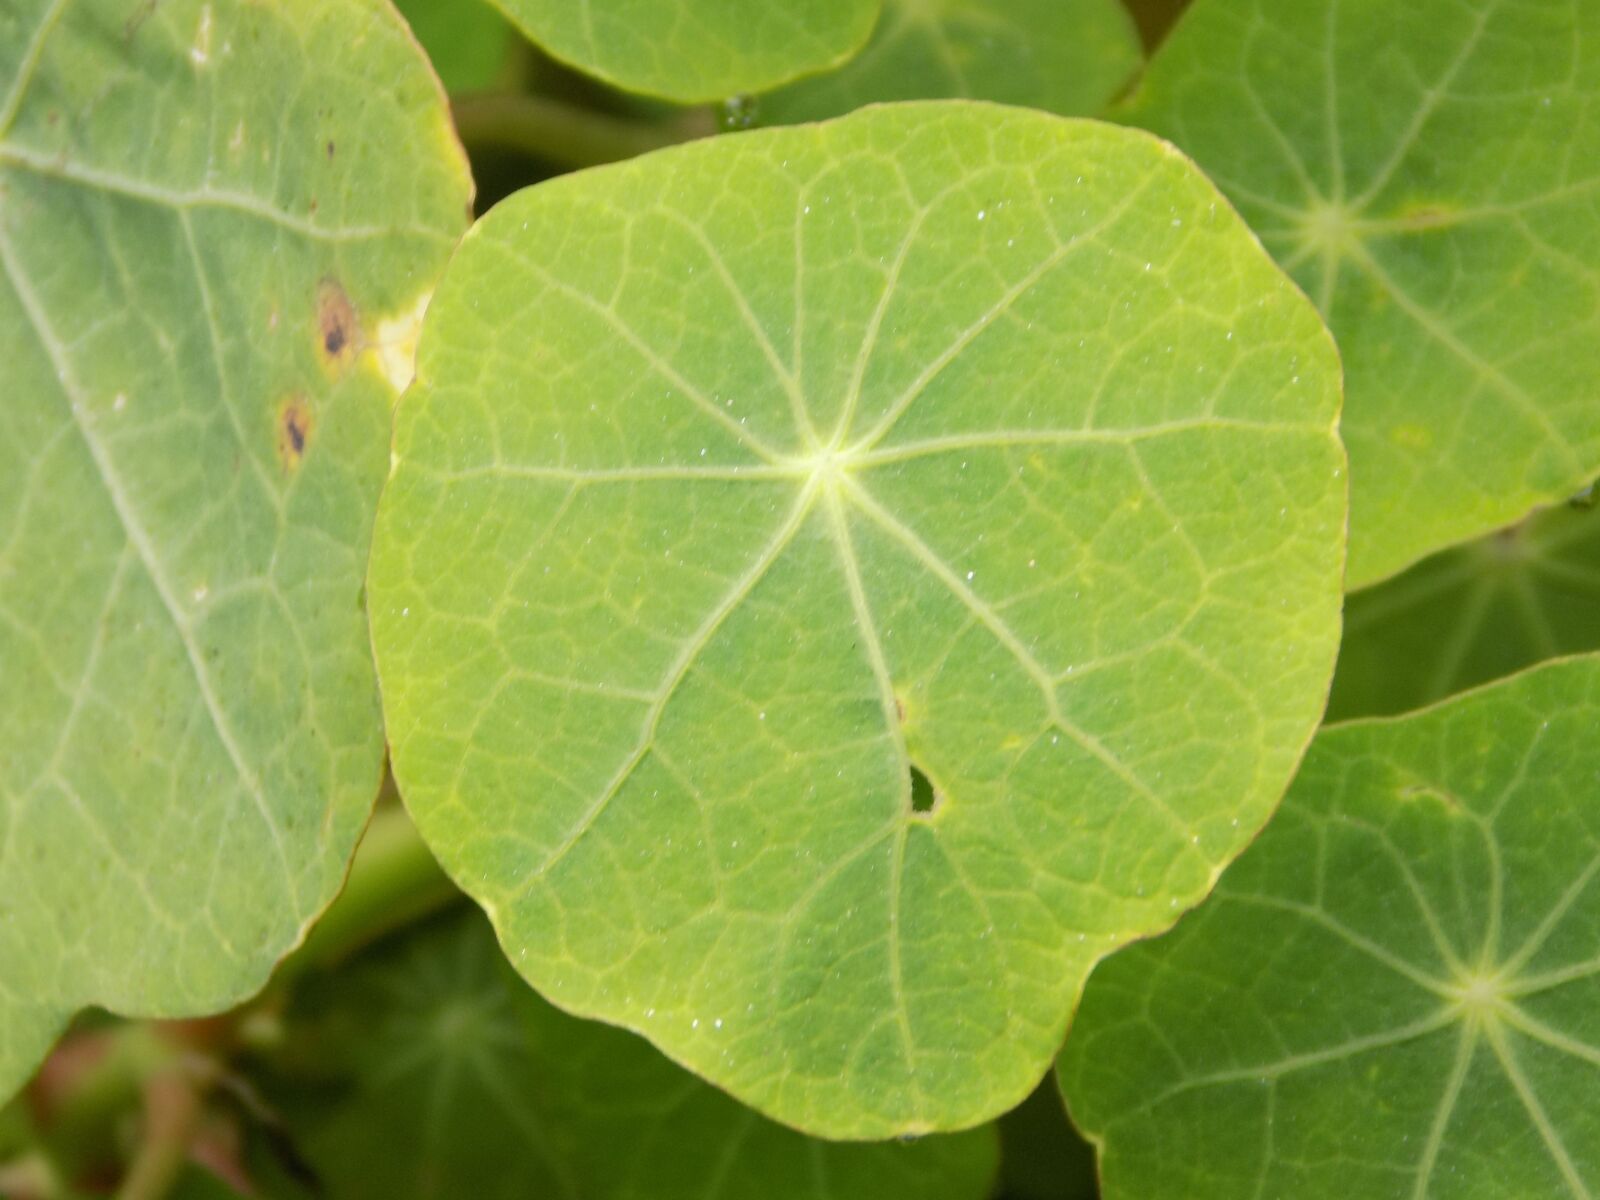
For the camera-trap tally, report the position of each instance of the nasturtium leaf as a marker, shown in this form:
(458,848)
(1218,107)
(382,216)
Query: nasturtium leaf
(1065,56)
(746,479)
(1471,614)
(1395,993)
(429,1069)
(1430,173)
(696,50)
(218,222)
(468,42)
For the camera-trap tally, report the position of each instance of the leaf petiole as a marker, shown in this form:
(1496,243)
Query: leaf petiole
(566,135)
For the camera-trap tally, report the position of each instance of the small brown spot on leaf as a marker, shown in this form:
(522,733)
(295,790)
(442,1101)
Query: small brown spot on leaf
(1415,793)
(337,328)
(330,150)
(295,423)
(1420,217)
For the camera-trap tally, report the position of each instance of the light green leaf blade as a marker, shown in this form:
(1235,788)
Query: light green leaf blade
(696,50)
(1472,614)
(742,478)
(208,212)
(468,41)
(1392,994)
(1065,56)
(449,1077)
(1430,173)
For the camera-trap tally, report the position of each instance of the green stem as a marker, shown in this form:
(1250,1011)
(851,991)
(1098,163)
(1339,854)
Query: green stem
(173,1105)
(566,135)
(393,881)
(89,1085)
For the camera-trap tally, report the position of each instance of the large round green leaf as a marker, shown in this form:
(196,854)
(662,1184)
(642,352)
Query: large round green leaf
(429,1070)
(746,480)
(1471,614)
(218,220)
(1394,994)
(696,50)
(1430,173)
(1065,56)
(468,42)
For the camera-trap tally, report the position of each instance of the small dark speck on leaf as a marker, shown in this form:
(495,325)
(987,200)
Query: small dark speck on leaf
(330,150)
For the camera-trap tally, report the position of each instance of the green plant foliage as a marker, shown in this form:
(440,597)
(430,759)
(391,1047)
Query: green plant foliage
(209,210)
(1064,56)
(696,50)
(1041,1155)
(743,481)
(198,1184)
(1394,992)
(1471,614)
(468,42)
(429,1069)
(1429,173)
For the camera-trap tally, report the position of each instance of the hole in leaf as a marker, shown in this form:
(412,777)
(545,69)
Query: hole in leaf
(924,796)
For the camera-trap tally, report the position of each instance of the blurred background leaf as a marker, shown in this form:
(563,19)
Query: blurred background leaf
(428,1068)
(1064,56)
(1471,614)
(469,42)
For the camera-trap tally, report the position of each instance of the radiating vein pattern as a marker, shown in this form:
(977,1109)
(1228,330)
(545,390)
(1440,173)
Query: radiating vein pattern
(1430,174)
(1472,613)
(455,1079)
(189,734)
(740,481)
(1393,992)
